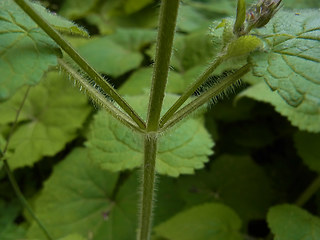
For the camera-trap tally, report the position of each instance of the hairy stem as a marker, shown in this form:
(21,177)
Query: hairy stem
(45,26)
(148,184)
(199,101)
(184,97)
(98,97)
(167,25)
(309,192)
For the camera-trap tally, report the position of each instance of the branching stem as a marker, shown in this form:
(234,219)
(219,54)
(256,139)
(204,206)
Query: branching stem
(167,25)
(309,192)
(205,97)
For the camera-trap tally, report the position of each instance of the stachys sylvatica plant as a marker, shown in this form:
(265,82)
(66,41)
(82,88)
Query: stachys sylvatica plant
(154,121)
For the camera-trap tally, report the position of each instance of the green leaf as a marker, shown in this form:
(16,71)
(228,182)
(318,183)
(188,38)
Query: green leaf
(190,20)
(298,116)
(289,222)
(20,36)
(75,9)
(214,7)
(132,6)
(79,198)
(8,229)
(307,145)
(51,116)
(61,24)
(140,82)
(210,221)
(120,52)
(243,46)
(180,152)
(291,66)
(294,4)
(73,237)
(235,181)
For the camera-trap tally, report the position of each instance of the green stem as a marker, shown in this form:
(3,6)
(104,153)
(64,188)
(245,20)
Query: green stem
(23,200)
(45,26)
(167,25)
(309,192)
(98,97)
(184,97)
(148,184)
(199,101)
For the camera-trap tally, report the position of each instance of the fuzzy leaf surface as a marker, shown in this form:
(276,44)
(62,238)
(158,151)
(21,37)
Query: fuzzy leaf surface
(82,193)
(289,222)
(52,114)
(211,221)
(116,148)
(291,67)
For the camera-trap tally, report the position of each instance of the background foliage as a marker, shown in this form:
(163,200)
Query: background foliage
(242,164)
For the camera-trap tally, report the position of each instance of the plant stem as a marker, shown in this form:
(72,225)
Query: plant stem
(45,26)
(184,97)
(309,192)
(148,184)
(199,101)
(167,25)
(98,97)
(23,200)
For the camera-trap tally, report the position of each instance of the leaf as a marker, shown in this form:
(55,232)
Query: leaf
(307,145)
(73,237)
(190,20)
(59,23)
(235,181)
(180,152)
(20,35)
(211,221)
(75,9)
(294,4)
(52,114)
(292,65)
(140,82)
(243,45)
(289,222)
(84,195)
(132,6)
(214,7)
(298,116)
(120,52)
(8,229)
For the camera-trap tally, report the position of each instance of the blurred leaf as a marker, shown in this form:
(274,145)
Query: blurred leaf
(291,67)
(299,116)
(111,16)
(8,229)
(119,53)
(52,114)
(298,4)
(83,194)
(233,180)
(131,6)
(289,222)
(72,237)
(116,148)
(307,145)
(75,9)
(217,8)
(210,221)
(189,19)
(140,82)
(20,35)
